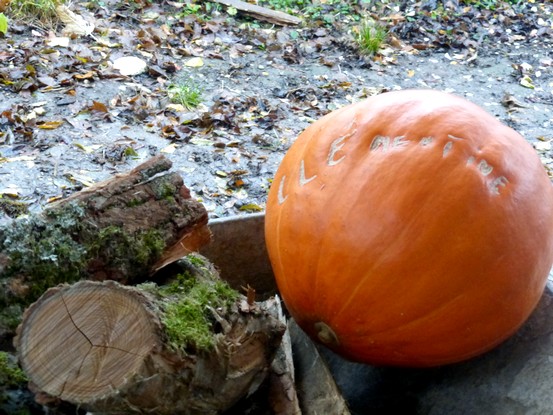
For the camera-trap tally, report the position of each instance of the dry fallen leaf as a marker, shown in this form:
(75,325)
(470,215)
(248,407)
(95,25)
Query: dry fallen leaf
(50,125)
(251,207)
(74,23)
(58,41)
(3,5)
(194,62)
(526,82)
(169,149)
(98,107)
(129,65)
(82,76)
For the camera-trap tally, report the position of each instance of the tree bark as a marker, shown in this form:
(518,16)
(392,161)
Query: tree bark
(108,348)
(122,229)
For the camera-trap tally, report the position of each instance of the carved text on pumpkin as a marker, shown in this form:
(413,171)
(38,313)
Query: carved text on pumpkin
(385,144)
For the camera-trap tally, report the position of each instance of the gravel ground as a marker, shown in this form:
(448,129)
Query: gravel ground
(72,120)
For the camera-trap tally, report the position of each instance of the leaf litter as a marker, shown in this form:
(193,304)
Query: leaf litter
(104,86)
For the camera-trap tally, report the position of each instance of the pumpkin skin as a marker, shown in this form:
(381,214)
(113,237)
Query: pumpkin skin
(410,229)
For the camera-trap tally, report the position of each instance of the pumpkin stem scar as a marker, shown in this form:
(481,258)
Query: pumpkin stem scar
(325,334)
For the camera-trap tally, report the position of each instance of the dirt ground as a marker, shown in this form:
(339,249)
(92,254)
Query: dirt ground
(68,119)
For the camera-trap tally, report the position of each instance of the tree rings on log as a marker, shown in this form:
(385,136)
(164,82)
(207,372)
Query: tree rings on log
(83,342)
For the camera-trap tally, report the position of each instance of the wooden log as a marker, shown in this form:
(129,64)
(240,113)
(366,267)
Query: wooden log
(262,13)
(192,347)
(122,229)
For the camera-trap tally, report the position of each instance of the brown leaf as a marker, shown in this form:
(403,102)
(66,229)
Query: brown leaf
(98,107)
(88,75)
(3,5)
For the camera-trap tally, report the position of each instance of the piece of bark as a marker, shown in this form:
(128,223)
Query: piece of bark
(283,396)
(122,229)
(106,348)
(262,13)
(318,392)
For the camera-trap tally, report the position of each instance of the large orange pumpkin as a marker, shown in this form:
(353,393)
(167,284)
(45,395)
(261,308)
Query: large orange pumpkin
(410,229)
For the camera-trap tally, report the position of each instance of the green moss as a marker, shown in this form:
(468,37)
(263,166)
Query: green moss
(135,202)
(196,261)
(10,373)
(188,304)
(10,317)
(43,250)
(117,246)
(188,321)
(164,189)
(46,250)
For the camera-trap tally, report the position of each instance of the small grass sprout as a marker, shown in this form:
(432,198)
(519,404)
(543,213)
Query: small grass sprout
(370,36)
(10,374)
(188,94)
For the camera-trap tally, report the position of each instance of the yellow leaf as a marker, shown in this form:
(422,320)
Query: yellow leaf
(54,198)
(526,82)
(81,76)
(194,62)
(50,125)
(251,207)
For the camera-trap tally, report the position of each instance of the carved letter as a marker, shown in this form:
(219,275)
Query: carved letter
(399,141)
(281,197)
(426,141)
(496,183)
(334,148)
(338,144)
(380,141)
(303,180)
(484,167)
(447,148)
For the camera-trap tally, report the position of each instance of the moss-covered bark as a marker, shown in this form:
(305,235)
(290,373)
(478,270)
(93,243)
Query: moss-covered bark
(120,229)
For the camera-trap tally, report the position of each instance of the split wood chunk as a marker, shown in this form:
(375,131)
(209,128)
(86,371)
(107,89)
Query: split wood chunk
(105,347)
(122,229)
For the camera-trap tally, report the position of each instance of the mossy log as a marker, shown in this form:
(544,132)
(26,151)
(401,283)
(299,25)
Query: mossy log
(122,229)
(117,349)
